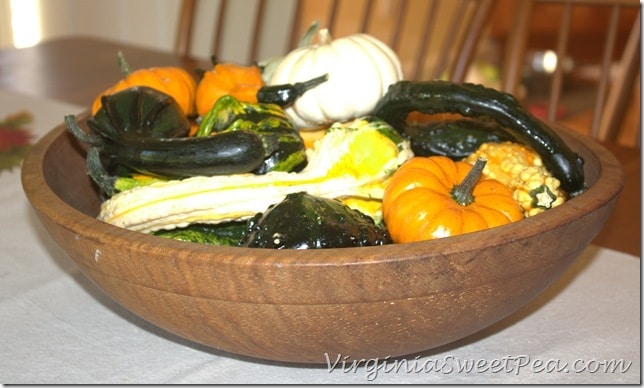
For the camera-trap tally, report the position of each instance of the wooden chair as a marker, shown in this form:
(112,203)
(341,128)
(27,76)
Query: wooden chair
(433,39)
(616,71)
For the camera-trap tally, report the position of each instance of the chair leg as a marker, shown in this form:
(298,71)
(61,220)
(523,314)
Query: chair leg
(516,47)
(557,78)
(183,41)
(471,40)
(622,87)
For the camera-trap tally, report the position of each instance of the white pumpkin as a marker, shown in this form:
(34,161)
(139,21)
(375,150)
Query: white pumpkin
(360,69)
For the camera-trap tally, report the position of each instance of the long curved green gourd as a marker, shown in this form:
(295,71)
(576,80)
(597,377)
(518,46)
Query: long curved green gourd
(470,100)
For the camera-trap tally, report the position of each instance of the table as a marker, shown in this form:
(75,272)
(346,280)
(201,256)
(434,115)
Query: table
(57,326)
(76,69)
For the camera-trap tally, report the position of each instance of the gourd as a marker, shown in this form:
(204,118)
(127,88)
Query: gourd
(241,82)
(521,169)
(353,160)
(269,121)
(360,68)
(143,130)
(226,234)
(434,197)
(305,221)
(173,81)
(477,101)
(456,138)
(286,95)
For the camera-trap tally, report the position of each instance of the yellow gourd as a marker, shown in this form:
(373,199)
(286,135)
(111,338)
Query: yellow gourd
(521,169)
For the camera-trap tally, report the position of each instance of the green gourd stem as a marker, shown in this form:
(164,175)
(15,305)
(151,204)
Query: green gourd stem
(125,67)
(463,192)
(97,172)
(308,36)
(84,137)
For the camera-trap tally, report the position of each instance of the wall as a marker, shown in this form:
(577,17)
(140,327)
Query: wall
(142,22)
(237,33)
(153,23)
(5,24)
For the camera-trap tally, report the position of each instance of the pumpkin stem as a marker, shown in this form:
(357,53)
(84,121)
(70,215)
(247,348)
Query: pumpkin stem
(462,192)
(125,67)
(324,36)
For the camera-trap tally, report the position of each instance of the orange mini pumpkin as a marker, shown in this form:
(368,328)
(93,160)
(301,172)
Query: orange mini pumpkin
(241,82)
(433,197)
(173,81)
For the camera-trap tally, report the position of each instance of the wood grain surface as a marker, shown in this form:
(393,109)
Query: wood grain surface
(300,305)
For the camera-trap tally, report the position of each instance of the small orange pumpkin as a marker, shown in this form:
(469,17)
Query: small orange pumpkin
(241,82)
(173,81)
(433,197)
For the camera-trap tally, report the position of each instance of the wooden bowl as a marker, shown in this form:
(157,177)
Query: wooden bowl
(300,305)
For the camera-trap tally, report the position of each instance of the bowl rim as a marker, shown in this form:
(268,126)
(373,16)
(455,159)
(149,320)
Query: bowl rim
(607,186)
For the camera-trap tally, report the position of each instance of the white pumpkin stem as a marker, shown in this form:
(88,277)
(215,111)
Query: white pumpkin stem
(324,36)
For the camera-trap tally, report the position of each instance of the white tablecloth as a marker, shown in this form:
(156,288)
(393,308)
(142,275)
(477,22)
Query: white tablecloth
(56,326)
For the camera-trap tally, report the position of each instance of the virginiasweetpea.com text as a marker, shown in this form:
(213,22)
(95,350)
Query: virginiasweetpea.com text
(508,364)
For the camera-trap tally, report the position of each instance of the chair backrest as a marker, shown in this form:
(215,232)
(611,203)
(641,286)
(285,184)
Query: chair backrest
(433,39)
(613,74)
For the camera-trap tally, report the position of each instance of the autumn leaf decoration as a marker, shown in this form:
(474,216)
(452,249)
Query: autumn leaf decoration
(15,139)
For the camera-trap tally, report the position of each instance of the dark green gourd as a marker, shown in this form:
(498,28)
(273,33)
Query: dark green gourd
(477,101)
(304,221)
